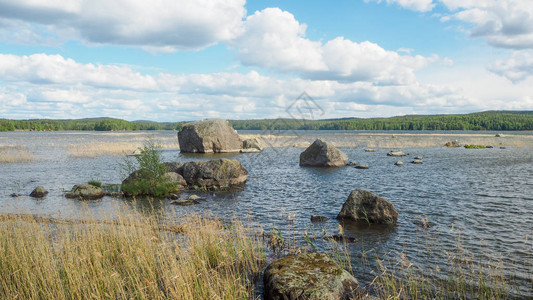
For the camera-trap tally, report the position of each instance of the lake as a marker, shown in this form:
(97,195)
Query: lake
(484,197)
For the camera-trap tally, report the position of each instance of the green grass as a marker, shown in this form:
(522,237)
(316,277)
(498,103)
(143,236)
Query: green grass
(132,257)
(95,183)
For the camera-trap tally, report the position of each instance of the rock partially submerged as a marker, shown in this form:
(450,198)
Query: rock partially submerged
(396,153)
(364,206)
(252,145)
(399,163)
(316,219)
(308,276)
(362,166)
(370,150)
(417,162)
(323,154)
(209,136)
(452,144)
(85,192)
(39,192)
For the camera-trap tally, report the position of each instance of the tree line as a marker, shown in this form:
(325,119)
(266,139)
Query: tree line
(489,120)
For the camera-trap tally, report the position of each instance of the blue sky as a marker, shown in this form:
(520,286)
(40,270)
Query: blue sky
(174,60)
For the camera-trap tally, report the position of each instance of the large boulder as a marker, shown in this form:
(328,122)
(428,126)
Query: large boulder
(85,191)
(209,136)
(218,172)
(252,145)
(323,154)
(367,207)
(308,276)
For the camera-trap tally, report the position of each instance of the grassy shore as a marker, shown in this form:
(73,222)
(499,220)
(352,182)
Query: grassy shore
(132,257)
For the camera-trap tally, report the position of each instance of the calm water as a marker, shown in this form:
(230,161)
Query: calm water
(484,196)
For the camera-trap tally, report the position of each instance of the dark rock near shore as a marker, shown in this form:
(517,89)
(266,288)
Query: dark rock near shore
(323,154)
(209,136)
(316,218)
(452,144)
(308,276)
(39,192)
(364,206)
(85,192)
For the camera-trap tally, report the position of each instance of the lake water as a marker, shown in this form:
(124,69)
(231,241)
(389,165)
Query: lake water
(484,196)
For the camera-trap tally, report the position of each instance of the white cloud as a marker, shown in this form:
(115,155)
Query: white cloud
(503,23)
(167,25)
(516,68)
(417,5)
(275,39)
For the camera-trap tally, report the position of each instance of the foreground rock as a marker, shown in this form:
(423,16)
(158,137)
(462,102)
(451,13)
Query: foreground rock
(323,154)
(209,136)
(39,192)
(85,192)
(308,276)
(396,153)
(363,206)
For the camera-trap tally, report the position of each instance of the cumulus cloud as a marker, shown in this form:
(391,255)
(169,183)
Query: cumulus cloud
(274,39)
(516,68)
(417,5)
(160,24)
(503,23)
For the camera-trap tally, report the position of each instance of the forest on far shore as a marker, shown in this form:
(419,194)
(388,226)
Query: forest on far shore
(488,120)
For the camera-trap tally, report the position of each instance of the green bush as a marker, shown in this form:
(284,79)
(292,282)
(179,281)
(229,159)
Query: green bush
(95,183)
(146,174)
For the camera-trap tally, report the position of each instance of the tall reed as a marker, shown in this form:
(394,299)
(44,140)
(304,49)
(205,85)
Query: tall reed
(131,257)
(12,154)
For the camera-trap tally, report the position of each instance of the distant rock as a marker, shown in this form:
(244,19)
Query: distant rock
(396,153)
(14,195)
(252,145)
(370,150)
(499,135)
(362,166)
(417,162)
(352,163)
(364,206)
(39,192)
(452,144)
(399,163)
(85,192)
(209,136)
(317,219)
(418,157)
(323,154)
(308,276)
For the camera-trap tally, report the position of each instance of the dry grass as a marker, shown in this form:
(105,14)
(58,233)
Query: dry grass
(12,154)
(111,148)
(130,258)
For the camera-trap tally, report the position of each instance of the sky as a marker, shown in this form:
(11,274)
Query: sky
(177,60)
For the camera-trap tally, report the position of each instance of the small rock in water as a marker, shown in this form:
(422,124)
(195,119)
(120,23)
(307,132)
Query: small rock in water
(316,218)
(39,192)
(396,153)
(341,238)
(503,148)
(352,163)
(362,167)
(370,150)
(417,162)
(173,197)
(489,146)
(14,195)
(399,163)
(499,135)
(184,202)
(418,157)
(423,223)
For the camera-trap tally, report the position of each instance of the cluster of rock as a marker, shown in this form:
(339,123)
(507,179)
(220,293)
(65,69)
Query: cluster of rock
(214,136)
(212,173)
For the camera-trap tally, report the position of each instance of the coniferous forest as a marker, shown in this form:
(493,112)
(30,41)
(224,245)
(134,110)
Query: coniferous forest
(488,120)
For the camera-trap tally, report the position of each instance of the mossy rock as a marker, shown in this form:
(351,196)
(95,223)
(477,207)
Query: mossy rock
(85,191)
(39,192)
(308,276)
(364,206)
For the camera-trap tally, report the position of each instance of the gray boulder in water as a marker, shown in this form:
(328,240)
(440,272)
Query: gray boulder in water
(323,154)
(85,191)
(308,276)
(39,192)
(252,145)
(396,153)
(221,172)
(209,136)
(364,206)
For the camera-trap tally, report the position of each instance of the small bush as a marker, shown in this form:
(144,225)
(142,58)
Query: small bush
(146,174)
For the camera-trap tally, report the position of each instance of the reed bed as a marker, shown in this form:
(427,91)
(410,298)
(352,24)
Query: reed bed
(111,148)
(13,154)
(132,257)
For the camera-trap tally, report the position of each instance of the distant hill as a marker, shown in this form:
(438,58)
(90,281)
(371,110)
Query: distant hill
(487,120)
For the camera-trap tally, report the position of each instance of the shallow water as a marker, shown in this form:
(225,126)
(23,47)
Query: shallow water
(483,195)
